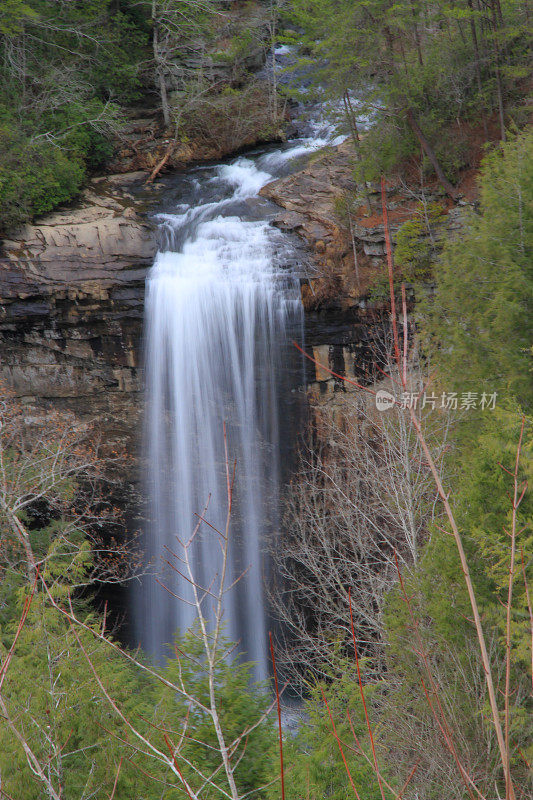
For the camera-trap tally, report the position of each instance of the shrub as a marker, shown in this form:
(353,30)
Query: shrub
(417,241)
(34,178)
(314,764)
(479,323)
(385,146)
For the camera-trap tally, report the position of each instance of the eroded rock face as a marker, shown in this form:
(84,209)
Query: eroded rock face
(71,320)
(84,251)
(308,198)
(71,304)
(348,249)
(346,257)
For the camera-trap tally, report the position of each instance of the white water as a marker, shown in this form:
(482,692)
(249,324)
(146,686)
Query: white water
(222,304)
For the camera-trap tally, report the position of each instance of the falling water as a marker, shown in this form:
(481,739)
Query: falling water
(222,303)
(222,306)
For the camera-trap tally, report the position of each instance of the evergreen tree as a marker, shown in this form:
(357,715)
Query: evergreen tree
(479,324)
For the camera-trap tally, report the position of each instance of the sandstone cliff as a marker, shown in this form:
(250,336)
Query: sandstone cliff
(71,304)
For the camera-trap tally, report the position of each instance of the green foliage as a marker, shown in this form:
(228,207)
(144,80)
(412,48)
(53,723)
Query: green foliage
(63,67)
(384,146)
(241,705)
(74,702)
(440,619)
(51,693)
(477,331)
(13,14)
(412,59)
(34,178)
(314,764)
(120,75)
(484,510)
(452,154)
(64,716)
(82,138)
(417,241)
(479,324)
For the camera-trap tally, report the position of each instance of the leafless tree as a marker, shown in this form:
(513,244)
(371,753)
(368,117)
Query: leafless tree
(45,62)
(362,496)
(38,464)
(488,759)
(168,748)
(178,33)
(58,524)
(54,467)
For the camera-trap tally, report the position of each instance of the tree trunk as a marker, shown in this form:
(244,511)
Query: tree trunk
(417,37)
(443,180)
(501,112)
(475,42)
(497,72)
(159,166)
(158,68)
(357,144)
(413,124)
(274,84)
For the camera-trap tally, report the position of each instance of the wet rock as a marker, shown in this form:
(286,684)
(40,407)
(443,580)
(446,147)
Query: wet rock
(311,199)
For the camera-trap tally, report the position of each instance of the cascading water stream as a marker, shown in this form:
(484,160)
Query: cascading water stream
(222,305)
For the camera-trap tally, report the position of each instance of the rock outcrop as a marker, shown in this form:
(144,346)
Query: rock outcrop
(71,304)
(220,90)
(348,250)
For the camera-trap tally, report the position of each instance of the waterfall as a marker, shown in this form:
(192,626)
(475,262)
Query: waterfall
(221,307)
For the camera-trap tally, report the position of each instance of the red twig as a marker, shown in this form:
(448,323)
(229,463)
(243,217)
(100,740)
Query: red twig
(336,735)
(282,772)
(391,271)
(409,778)
(368,725)
(442,722)
(178,770)
(111,796)
(334,374)
(25,611)
(359,751)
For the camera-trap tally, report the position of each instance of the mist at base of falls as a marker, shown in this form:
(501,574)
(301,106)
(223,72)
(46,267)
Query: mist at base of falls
(222,308)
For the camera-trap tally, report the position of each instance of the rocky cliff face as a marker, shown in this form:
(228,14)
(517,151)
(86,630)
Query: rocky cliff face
(345,328)
(71,317)
(72,287)
(72,293)
(228,104)
(348,249)
(71,306)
